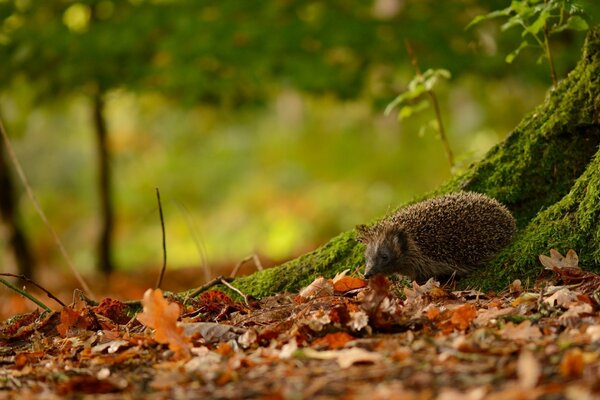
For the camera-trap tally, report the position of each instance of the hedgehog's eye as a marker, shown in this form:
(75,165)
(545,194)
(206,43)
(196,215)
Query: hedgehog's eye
(384,257)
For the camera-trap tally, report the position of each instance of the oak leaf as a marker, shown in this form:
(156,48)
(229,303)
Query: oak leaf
(162,316)
(463,316)
(571,365)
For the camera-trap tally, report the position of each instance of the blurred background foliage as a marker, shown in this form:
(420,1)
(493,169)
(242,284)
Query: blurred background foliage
(261,122)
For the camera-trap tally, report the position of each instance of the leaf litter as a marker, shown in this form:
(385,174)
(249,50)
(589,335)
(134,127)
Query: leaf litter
(340,338)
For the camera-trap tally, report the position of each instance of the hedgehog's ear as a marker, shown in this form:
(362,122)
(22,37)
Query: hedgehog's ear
(401,239)
(363,233)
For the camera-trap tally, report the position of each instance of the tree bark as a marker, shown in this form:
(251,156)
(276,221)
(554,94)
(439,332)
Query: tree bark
(17,240)
(104,260)
(547,172)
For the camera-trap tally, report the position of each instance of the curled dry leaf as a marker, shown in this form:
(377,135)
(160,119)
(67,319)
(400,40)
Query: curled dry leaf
(463,315)
(348,283)
(561,298)
(318,288)
(524,331)
(572,363)
(162,316)
(528,370)
(345,358)
(558,261)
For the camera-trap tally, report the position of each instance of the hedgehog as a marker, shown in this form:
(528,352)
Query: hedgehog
(442,237)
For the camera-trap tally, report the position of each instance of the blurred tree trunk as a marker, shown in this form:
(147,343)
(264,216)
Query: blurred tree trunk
(547,172)
(17,240)
(104,260)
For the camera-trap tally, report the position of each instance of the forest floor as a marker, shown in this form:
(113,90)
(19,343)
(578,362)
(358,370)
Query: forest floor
(340,338)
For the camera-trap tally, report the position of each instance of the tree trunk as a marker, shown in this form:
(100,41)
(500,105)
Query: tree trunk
(17,240)
(105,262)
(547,172)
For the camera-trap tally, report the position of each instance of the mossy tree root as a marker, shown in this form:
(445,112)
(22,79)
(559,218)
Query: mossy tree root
(547,172)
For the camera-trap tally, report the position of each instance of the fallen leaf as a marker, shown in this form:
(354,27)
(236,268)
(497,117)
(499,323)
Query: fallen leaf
(345,358)
(212,332)
(561,298)
(571,365)
(463,315)
(318,288)
(333,341)
(575,310)
(484,316)
(347,283)
(528,370)
(557,261)
(524,331)
(162,316)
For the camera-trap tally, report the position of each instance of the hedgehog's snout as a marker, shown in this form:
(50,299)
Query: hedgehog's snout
(370,270)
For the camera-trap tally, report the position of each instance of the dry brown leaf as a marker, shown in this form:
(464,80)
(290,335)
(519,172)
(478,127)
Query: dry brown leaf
(463,315)
(524,331)
(575,310)
(485,316)
(318,288)
(558,261)
(345,358)
(528,370)
(162,316)
(561,298)
(334,340)
(571,365)
(347,283)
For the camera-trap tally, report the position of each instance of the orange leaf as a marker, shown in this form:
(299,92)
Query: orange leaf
(433,313)
(348,283)
(334,341)
(162,316)
(463,315)
(571,365)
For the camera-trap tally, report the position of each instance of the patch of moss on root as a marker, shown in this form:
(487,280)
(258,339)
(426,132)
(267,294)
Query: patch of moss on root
(537,172)
(341,253)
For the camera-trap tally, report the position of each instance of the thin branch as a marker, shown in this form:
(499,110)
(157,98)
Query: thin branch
(549,54)
(164,242)
(253,257)
(434,103)
(25,294)
(26,279)
(38,208)
(208,285)
(238,291)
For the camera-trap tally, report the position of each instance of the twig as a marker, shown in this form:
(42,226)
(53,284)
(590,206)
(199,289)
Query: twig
(549,50)
(24,278)
(207,285)
(434,103)
(164,242)
(238,291)
(253,257)
(25,294)
(38,208)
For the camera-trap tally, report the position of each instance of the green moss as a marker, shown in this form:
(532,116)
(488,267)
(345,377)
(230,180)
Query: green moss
(547,172)
(341,253)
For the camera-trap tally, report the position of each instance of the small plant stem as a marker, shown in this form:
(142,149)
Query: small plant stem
(38,208)
(549,55)
(435,104)
(253,257)
(25,294)
(438,116)
(26,279)
(164,241)
(549,50)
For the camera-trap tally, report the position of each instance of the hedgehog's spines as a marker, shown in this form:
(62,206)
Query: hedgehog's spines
(442,236)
